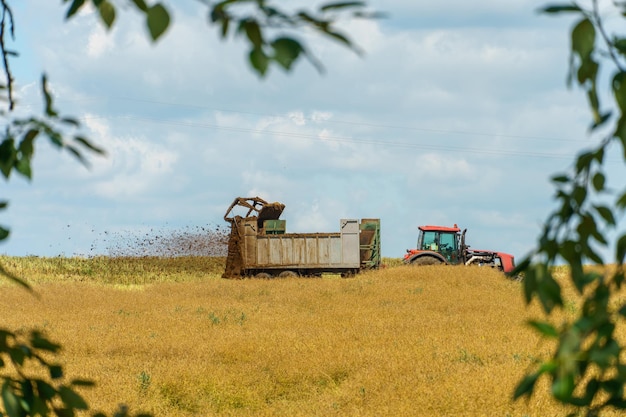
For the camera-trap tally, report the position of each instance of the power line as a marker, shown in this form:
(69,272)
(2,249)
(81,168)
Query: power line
(338,139)
(351,123)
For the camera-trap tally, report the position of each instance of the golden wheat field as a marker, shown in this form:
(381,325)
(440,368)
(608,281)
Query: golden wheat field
(171,338)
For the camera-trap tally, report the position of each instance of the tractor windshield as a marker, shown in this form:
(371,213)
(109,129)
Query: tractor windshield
(437,241)
(427,240)
(447,242)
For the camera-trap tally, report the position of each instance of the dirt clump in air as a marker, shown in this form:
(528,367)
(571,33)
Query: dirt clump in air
(168,243)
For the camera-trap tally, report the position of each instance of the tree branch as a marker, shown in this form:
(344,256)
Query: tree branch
(7,14)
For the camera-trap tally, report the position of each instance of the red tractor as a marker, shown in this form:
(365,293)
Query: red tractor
(446,245)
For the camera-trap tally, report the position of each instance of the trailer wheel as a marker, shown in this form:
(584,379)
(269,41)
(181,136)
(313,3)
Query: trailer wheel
(287,274)
(426,260)
(263,275)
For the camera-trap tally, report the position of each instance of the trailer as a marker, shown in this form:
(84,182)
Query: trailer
(260,247)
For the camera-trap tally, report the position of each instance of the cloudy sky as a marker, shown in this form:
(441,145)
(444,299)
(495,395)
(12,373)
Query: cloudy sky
(458,112)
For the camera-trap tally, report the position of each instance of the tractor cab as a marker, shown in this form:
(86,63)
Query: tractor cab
(445,243)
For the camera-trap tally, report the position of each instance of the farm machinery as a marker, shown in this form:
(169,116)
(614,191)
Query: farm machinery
(259,246)
(446,245)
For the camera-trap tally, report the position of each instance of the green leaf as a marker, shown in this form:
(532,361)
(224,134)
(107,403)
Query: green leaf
(56,371)
(4,233)
(583,162)
(598,181)
(74,7)
(72,399)
(549,291)
(561,179)
(27,147)
(87,144)
(83,383)
(525,386)
(592,96)
(338,36)
(286,51)
(259,61)
(48,97)
(621,201)
(606,214)
(70,121)
(579,195)
(530,284)
(158,20)
(605,356)
(18,355)
(563,387)
(544,328)
(107,13)
(619,90)
(581,280)
(45,390)
(38,341)
(560,8)
(620,132)
(77,154)
(620,250)
(10,401)
(39,407)
(590,392)
(620,45)
(599,155)
(23,167)
(587,71)
(583,38)
(342,5)
(8,154)
(225,27)
(141,5)
(253,32)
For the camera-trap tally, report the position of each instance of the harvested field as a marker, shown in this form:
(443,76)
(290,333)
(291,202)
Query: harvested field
(174,341)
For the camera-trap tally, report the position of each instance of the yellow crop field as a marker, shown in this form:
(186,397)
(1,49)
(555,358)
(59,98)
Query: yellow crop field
(172,338)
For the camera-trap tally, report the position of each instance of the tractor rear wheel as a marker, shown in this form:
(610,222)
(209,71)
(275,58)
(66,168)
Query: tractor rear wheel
(426,260)
(263,275)
(287,274)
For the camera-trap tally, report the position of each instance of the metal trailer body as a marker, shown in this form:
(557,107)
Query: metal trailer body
(259,247)
(302,253)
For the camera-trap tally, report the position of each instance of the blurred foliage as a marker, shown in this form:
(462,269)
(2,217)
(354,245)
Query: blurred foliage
(22,394)
(587,368)
(271,32)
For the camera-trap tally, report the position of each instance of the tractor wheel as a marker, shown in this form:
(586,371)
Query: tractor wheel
(426,260)
(287,274)
(263,275)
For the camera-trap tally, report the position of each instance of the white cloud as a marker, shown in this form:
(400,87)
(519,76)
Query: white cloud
(297,117)
(99,42)
(438,168)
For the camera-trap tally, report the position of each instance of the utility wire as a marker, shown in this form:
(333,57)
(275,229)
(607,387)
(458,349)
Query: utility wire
(351,123)
(336,139)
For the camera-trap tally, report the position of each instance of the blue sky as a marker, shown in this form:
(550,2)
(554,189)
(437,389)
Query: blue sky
(458,112)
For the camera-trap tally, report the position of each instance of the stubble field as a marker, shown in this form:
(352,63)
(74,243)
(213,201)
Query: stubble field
(171,338)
